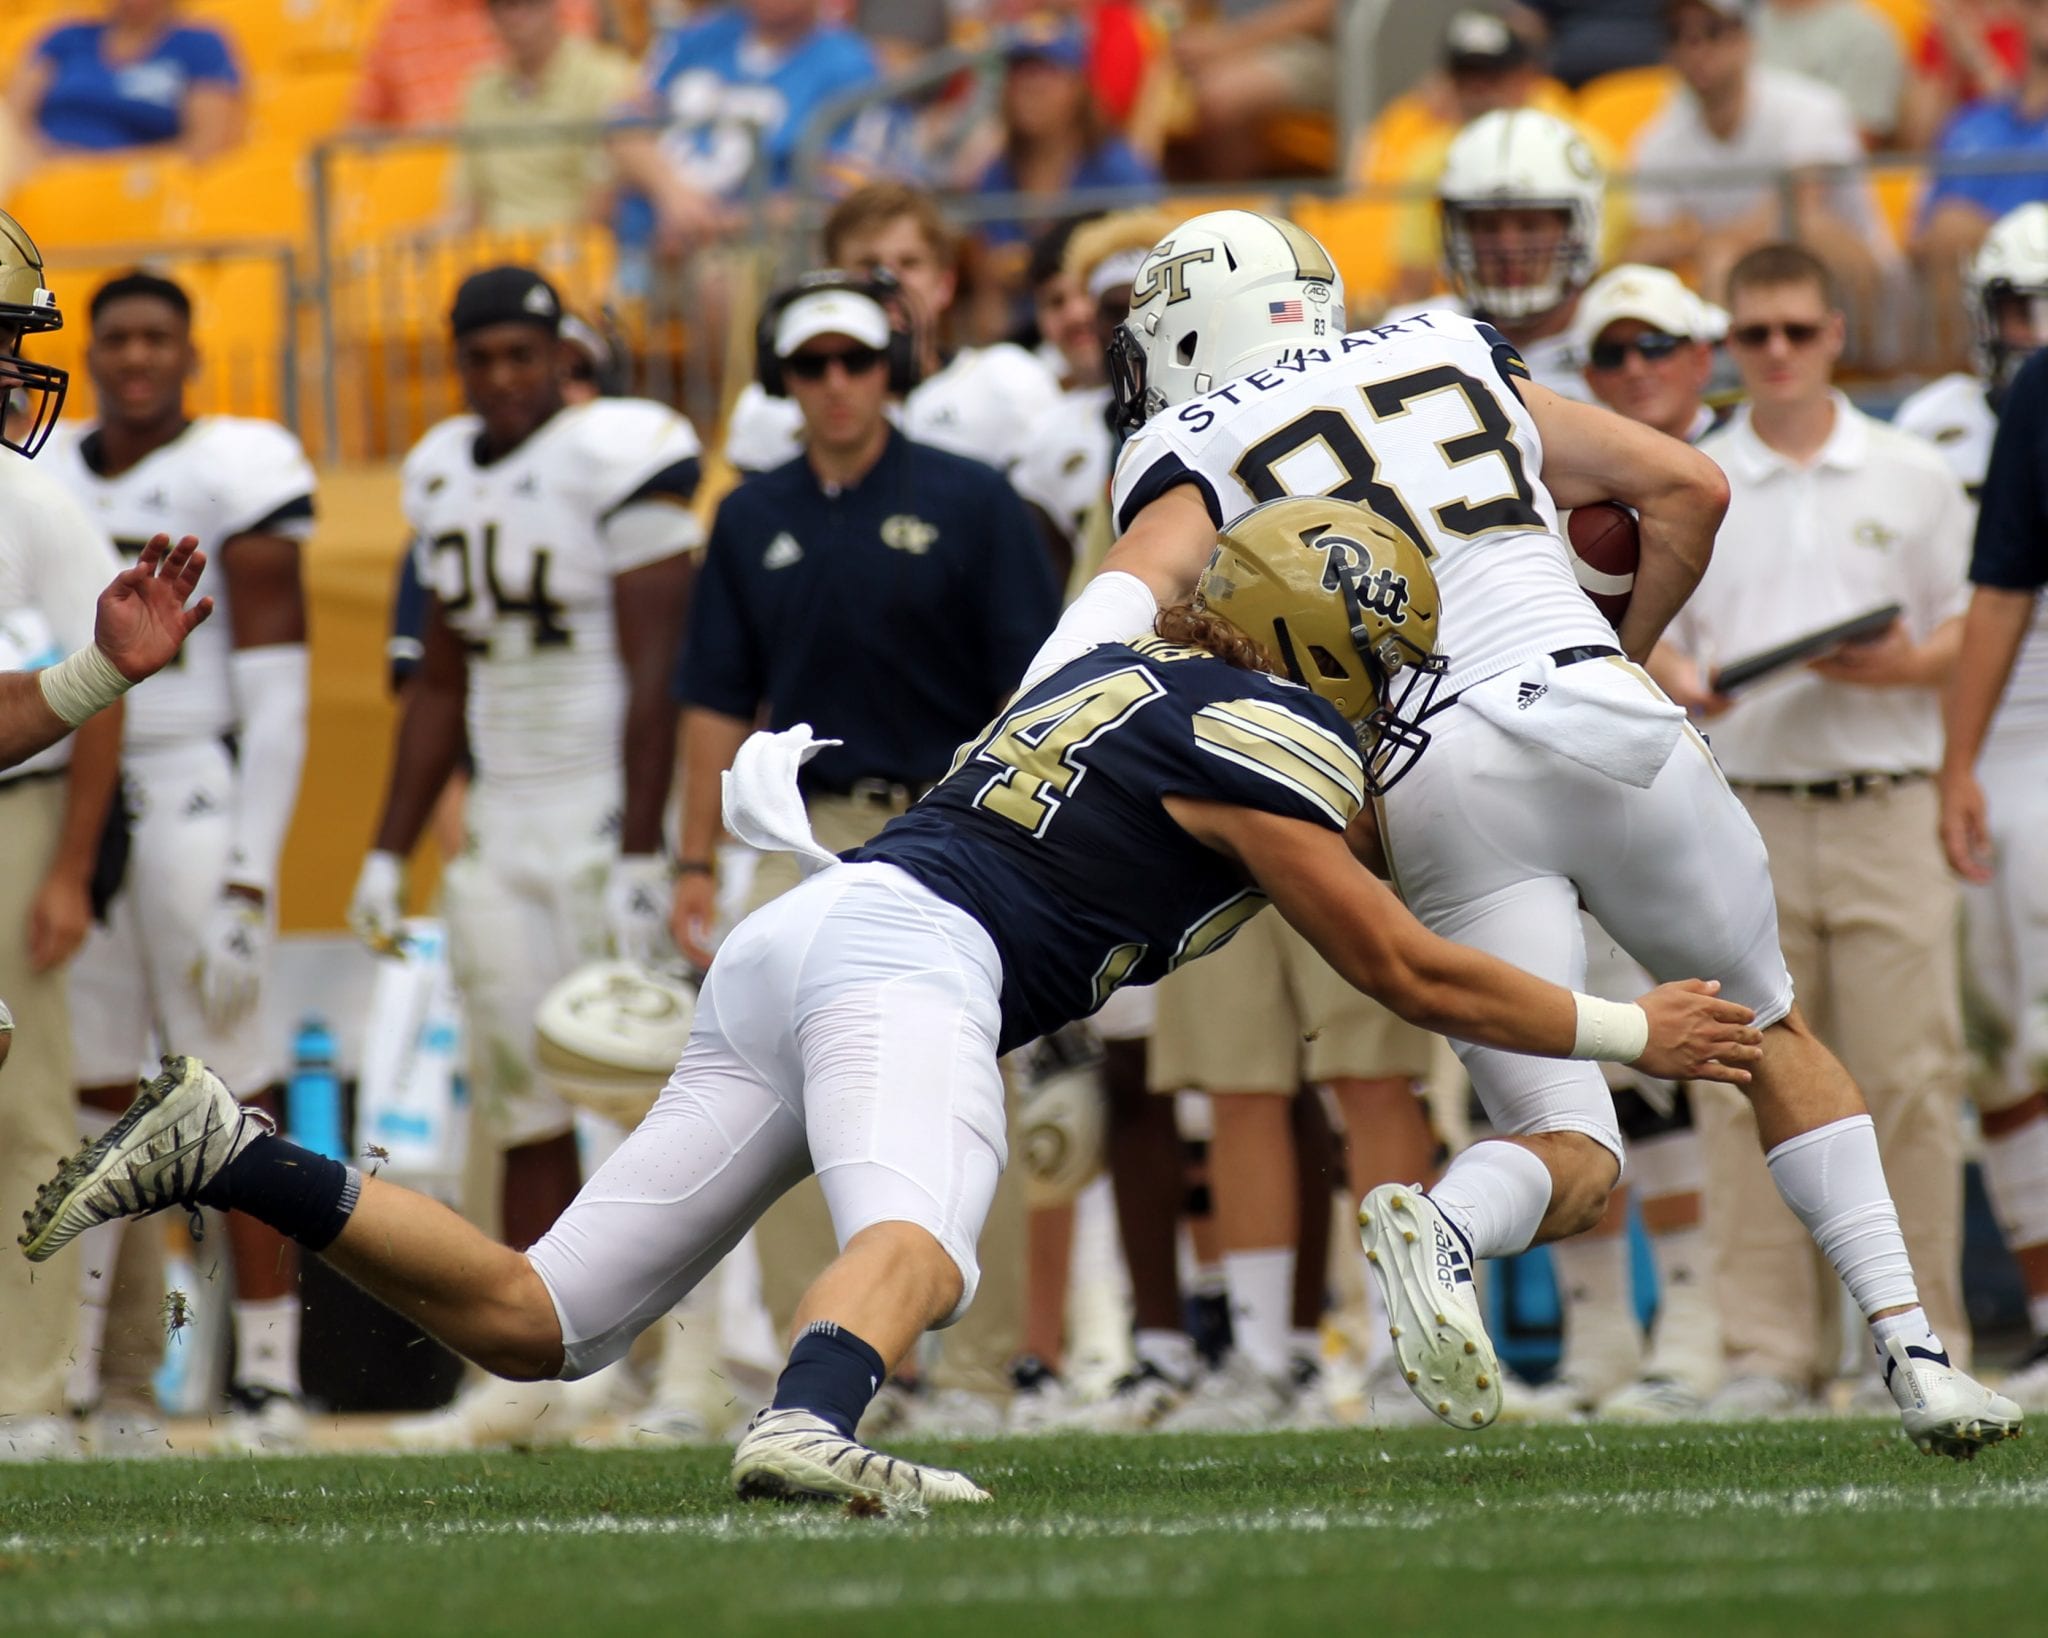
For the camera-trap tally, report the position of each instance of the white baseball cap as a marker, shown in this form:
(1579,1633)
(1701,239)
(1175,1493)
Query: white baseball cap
(1651,295)
(831,313)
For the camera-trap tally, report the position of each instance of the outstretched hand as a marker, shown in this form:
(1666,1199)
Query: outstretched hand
(1696,1036)
(143,619)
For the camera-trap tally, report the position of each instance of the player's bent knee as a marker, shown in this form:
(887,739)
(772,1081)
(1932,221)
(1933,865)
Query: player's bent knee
(1585,1169)
(519,1336)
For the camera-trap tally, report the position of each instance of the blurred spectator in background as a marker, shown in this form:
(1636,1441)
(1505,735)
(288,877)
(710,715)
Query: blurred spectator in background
(135,79)
(1734,113)
(1959,209)
(912,137)
(1055,138)
(549,77)
(1254,59)
(1062,312)
(1842,43)
(737,79)
(1487,65)
(419,64)
(1971,51)
(1588,38)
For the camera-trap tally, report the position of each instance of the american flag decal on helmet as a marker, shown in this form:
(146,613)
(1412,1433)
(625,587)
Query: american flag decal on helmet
(1284,312)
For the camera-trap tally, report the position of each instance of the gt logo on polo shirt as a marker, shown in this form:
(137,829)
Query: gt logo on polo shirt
(782,552)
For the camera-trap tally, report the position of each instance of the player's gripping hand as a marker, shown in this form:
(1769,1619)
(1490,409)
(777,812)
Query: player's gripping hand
(1696,1036)
(229,971)
(637,896)
(142,619)
(376,908)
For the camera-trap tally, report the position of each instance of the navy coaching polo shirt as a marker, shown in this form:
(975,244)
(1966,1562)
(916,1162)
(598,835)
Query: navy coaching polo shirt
(2012,515)
(895,614)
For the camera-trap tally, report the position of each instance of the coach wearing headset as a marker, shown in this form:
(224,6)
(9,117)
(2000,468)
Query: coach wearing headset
(885,592)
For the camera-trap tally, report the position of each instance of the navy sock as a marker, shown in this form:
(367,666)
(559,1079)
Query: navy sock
(303,1195)
(832,1374)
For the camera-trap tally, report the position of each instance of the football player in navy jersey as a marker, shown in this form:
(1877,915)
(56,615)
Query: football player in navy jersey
(1125,815)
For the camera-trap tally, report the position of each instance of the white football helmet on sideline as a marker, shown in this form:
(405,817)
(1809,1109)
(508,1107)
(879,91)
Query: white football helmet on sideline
(1222,294)
(2011,265)
(608,1036)
(1061,1116)
(1520,159)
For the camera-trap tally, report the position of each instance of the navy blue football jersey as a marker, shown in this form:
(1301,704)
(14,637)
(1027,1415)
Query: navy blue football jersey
(1050,829)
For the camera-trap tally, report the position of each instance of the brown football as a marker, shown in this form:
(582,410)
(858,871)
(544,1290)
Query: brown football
(1606,546)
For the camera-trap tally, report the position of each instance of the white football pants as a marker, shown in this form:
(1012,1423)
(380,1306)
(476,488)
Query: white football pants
(848,1028)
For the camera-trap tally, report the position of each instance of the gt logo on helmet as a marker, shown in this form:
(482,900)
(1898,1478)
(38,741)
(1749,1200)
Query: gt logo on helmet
(1167,273)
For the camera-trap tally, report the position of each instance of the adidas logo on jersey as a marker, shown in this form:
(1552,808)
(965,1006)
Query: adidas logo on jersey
(198,805)
(1529,693)
(782,552)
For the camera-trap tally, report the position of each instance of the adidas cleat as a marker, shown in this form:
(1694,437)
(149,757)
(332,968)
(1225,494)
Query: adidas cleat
(791,1455)
(1945,1411)
(175,1138)
(1425,1275)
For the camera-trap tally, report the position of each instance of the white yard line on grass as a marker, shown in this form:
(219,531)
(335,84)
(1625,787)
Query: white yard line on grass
(779,1524)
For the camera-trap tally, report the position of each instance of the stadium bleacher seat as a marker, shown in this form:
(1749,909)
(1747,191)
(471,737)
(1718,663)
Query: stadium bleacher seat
(1617,106)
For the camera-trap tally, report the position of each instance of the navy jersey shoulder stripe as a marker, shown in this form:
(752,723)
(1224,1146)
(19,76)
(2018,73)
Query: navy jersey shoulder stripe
(1168,471)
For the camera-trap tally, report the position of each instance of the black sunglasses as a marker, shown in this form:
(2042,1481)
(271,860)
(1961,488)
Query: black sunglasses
(854,360)
(1652,347)
(1797,334)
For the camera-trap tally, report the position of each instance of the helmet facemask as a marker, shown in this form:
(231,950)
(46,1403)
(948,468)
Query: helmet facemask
(1999,357)
(1133,404)
(1516,282)
(31,395)
(1391,735)
(31,399)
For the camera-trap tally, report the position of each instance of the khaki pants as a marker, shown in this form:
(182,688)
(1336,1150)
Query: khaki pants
(38,1120)
(795,1237)
(1867,913)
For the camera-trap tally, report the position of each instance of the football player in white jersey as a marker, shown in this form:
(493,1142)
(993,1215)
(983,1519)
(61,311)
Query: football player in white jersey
(211,752)
(555,542)
(1522,198)
(2007,943)
(1557,772)
(976,401)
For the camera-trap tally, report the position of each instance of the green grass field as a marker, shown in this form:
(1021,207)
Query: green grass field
(1810,1529)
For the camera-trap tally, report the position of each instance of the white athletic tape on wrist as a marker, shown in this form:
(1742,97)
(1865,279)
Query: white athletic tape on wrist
(1616,1032)
(82,685)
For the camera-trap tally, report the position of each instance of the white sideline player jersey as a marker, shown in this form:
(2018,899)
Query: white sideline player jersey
(521,555)
(1954,415)
(1421,420)
(1553,361)
(981,405)
(1065,465)
(223,476)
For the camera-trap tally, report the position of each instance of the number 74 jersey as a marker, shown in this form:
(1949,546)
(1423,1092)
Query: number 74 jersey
(521,552)
(1422,420)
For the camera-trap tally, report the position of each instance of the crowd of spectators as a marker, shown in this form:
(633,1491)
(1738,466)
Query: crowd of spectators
(677,119)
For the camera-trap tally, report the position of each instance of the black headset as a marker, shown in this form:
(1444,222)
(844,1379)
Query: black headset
(880,287)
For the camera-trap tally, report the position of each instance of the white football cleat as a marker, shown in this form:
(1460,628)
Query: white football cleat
(262,1422)
(1945,1411)
(176,1137)
(1238,1398)
(38,1439)
(791,1455)
(1432,1305)
(1757,1397)
(1137,1402)
(1653,1399)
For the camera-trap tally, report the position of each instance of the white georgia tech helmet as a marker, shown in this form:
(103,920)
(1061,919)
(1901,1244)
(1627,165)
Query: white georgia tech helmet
(2012,262)
(1222,294)
(608,1036)
(1520,159)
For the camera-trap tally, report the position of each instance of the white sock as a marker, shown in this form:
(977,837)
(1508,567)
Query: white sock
(1833,1180)
(1170,1353)
(1911,1328)
(1596,1293)
(1496,1194)
(267,1344)
(1685,1343)
(1261,1287)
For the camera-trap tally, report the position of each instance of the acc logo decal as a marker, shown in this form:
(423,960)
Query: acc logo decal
(1164,272)
(904,533)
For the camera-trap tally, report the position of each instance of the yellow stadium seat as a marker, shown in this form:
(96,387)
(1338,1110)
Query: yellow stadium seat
(1909,20)
(300,106)
(1898,200)
(81,202)
(1617,106)
(1359,235)
(381,192)
(257,192)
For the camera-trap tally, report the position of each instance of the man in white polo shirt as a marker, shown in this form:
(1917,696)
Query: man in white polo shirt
(1833,515)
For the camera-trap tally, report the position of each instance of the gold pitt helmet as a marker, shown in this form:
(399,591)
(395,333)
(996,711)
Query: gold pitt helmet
(26,308)
(1344,599)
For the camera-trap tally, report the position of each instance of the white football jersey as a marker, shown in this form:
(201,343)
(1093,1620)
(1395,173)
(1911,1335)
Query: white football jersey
(520,554)
(981,405)
(1065,465)
(1955,416)
(1421,420)
(221,477)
